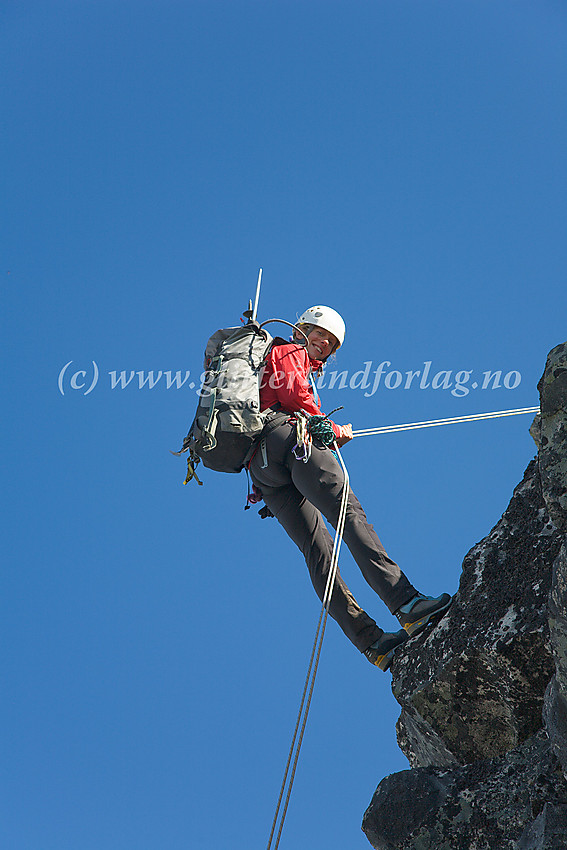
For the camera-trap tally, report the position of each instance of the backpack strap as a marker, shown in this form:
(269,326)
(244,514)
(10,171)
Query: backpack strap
(274,420)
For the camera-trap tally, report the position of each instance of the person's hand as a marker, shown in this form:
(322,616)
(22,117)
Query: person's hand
(346,435)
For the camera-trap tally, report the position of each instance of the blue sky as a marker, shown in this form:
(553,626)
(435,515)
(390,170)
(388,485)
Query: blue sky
(404,163)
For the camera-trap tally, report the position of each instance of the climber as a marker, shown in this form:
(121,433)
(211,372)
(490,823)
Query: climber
(298,490)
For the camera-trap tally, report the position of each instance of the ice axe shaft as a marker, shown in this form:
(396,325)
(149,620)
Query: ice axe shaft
(255,310)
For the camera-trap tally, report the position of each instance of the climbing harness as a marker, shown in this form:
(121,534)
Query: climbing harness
(305,704)
(410,426)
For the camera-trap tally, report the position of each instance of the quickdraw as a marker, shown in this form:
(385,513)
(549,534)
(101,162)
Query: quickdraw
(302,448)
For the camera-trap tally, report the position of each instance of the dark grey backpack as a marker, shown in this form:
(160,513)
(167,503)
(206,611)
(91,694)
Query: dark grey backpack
(228,421)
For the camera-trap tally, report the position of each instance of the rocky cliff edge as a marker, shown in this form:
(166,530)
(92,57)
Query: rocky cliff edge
(484,699)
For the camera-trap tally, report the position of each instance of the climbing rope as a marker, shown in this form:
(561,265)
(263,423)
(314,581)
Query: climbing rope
(321,427)
(305,704)
(390,429)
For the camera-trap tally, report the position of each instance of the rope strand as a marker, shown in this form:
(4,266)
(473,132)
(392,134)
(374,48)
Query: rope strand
(313,665)
(410,426)
(305,704)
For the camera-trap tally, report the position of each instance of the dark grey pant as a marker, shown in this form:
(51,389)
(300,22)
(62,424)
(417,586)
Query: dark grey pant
(298,494)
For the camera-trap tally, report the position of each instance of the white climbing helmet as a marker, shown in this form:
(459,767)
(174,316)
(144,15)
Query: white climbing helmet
(327,318)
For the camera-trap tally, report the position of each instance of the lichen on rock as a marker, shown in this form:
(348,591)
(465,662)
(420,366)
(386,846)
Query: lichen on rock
(485,805)
(484,699)
(549,431)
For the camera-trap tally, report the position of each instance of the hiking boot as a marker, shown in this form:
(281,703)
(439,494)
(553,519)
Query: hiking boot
(382,652)
(416,614)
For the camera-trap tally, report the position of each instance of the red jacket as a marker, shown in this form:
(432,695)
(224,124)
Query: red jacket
(286,380)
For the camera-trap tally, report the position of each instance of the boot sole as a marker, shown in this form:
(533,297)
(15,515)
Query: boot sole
(420,625)
(385,661)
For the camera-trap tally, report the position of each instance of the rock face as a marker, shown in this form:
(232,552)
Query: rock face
(484,700)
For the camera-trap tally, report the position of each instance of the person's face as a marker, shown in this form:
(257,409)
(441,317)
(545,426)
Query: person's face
(320,343)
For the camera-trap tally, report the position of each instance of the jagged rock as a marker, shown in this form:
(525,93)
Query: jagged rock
(555,711)
(549,431)
(547,832)
(474,687)
(403,803)
(486,773)
(487,805)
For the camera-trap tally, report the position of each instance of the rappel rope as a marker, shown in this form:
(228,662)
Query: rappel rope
(304,443)
(301,722)
(303,713)
(410,426)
